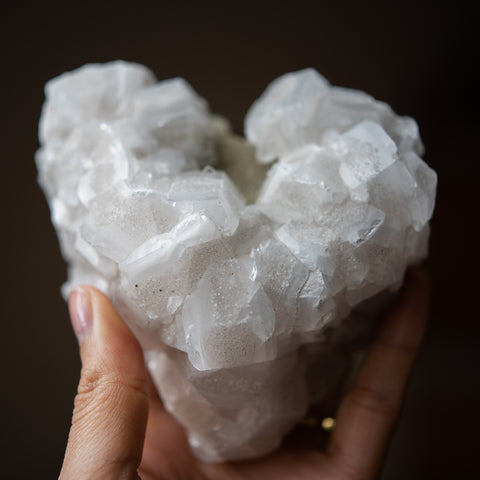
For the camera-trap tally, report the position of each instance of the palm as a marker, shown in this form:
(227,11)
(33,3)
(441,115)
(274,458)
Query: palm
(365,419)
(166,455)
(113,407)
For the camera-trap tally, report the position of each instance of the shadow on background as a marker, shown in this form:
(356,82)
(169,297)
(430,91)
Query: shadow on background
(421,60)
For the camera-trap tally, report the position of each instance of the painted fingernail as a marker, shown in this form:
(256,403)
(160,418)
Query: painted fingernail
(80,313)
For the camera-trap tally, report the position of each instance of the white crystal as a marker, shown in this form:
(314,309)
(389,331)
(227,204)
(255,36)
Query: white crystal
(246,295)
(300,108)
(238,318)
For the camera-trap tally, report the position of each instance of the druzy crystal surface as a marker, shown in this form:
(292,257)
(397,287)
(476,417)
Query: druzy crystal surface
(247,268)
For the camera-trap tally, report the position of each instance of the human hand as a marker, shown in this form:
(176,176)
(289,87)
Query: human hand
(120,429)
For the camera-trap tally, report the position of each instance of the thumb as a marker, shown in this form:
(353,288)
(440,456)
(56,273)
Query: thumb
(111,406)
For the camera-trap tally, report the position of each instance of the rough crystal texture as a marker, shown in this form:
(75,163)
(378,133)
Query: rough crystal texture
(245,311)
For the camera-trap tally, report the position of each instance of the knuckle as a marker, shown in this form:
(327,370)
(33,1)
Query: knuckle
(403,348)
(374,401)
(103,388)
(344,465)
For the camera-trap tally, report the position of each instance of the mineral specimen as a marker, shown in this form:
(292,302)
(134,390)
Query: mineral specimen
(247,283)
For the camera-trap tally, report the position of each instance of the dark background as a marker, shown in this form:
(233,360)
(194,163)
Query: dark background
(419,58)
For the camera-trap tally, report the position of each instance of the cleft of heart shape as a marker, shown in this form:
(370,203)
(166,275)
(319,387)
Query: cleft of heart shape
(240,264)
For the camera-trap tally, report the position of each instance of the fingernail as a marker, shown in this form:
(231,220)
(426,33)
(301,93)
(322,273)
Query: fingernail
(80,313)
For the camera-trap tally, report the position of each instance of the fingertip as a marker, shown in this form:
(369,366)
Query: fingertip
(416,295)
(105,339)
(412,302)
(405,323)
(419,277)
(80,308)
(119,346)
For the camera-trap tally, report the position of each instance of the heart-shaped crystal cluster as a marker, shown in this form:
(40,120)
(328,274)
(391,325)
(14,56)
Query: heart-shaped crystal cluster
(243,282)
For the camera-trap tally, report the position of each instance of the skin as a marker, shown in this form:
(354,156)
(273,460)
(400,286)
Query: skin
(120,429)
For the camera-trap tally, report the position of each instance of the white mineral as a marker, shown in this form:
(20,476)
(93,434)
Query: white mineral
(236,295)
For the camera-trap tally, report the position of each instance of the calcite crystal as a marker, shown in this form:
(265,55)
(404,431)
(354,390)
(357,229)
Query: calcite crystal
(248,269)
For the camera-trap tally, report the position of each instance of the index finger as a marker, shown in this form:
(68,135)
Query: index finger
(370,409)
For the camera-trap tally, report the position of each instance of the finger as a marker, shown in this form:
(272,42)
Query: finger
(369,411)
(111,406)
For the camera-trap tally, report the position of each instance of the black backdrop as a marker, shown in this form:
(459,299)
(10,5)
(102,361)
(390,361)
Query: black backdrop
(419,58)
